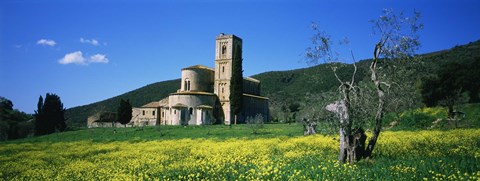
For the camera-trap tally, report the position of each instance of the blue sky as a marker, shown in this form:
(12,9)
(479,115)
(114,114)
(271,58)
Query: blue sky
(88,51)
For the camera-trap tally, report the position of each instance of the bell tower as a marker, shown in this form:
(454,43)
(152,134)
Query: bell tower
(228,51)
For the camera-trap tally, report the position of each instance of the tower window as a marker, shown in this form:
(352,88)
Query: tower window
(153,113)
(143,112)
(224,49)
(191,111)
(186,85)
(223,69)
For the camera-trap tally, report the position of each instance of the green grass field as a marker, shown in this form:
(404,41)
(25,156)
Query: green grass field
(218,152)
(168,133)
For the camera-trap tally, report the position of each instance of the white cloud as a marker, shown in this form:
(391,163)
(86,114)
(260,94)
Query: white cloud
(98,58)
(77,58)
(46,42)
(74,57)
(92,41)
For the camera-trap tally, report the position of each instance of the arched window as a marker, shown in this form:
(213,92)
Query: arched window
(223,68)
(191,111)
(224,49)
(186,84)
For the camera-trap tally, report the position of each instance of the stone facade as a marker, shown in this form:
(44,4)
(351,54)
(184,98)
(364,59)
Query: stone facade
(149,114)
(203,97)
(104,120)
(145,116)
(228,51)
(192,108)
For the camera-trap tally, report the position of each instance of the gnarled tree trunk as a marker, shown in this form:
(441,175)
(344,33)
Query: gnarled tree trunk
(349,145)
(381,101)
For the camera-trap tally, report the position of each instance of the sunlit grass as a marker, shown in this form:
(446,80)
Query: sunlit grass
(400,155)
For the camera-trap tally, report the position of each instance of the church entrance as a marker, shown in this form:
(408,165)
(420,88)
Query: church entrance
(183,117)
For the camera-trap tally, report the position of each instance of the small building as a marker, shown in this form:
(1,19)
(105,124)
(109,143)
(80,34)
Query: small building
(104,120)
(146,115)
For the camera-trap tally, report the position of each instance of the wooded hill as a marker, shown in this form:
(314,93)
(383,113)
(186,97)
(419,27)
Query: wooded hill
(312,87)
(77,116)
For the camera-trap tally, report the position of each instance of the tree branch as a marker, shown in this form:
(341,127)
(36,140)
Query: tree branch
(355,68)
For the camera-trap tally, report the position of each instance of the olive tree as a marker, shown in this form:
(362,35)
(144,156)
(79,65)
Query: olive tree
(363,103)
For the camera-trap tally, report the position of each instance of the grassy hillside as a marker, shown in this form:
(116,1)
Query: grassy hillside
(77,116)
(434,118)
(311,87)
(151,133)
(314,87)
(218,152)
(414,119)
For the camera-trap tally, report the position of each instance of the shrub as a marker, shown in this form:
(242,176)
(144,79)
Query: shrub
(255,123)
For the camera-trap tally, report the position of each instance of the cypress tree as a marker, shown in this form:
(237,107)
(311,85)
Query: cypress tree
(50,115)
(236,83)
(124,112)
(38,118)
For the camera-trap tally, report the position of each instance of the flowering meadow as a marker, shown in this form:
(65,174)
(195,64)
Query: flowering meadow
(399,155)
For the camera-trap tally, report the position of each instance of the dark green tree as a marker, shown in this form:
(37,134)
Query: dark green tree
(124,112)
(294,108)
(6,108)
(451,83)
(285,113)
(5,104)
(39,120)
(50,115)
(236,83)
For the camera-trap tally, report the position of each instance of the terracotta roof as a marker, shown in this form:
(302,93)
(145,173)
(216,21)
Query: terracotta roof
(152,104)
(199,67)
(163,102)
(155,104)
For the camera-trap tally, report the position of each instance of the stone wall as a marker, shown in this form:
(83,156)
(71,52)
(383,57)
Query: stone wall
(251,86)
(108,125)
(198,79)
(145,116)
(253,105)
(184,107)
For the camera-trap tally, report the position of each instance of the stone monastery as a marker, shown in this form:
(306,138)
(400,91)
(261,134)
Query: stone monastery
(203,97)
